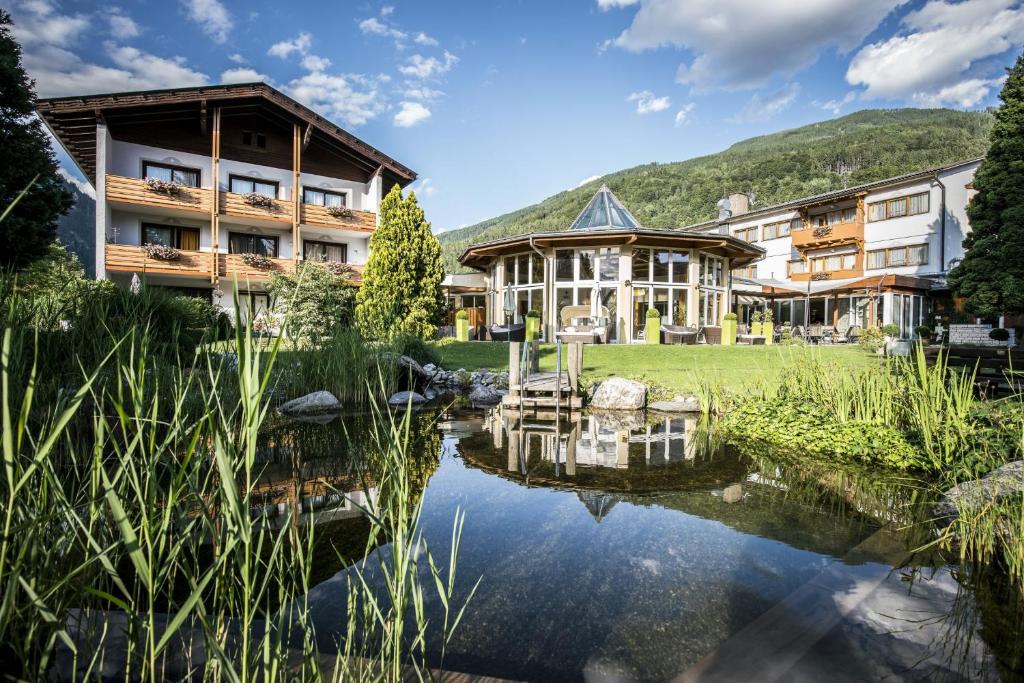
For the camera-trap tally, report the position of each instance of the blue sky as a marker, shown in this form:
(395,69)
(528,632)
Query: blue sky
(500,104)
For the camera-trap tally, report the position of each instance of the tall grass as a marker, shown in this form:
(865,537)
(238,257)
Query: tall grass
(133,545)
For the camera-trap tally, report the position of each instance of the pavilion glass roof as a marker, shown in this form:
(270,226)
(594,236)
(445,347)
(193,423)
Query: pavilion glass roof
(604,211)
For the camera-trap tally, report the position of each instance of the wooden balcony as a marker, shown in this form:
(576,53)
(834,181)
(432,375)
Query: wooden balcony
(828,275)
(234,204)
(830,236)
(232,265)
(135,191)
(319,216)
(132,259)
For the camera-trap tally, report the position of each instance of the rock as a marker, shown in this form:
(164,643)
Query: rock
(430,394)
(617,393)
(680,404)
(430,368)
(317,403)
(618,420)
(408,365)
(402,399)
(485,395)
(999,484)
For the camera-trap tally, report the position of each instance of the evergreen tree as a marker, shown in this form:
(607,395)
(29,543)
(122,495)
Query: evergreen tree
(26,233)
(991,276)
(401,290)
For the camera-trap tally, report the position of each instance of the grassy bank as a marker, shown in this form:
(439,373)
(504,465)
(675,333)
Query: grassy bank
(677,368)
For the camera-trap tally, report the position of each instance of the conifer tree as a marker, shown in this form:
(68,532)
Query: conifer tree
(401,290)
(991,275)
(29,229)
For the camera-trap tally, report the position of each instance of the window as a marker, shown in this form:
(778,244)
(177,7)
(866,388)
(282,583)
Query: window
(185,239)
(748,234)
(586,264)
(564,265)
(311,195)
(251,138)
(325,252)
(609,264)
(681,266)
(833,262)
(660,266)
(916,255)
(510,270)
(775,230)
(537,268)
(244,185)
(711,271)
(749,272)
(910,205)
(642,264)
(795,268)
(171,174)
(263,245)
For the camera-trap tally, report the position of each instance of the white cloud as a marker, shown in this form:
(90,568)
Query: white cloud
(298,44)
(763,108)
(411,113)
(418,66)
(243,74)
(425,187)
(211,16)
(37,22)
(237,58)
(336,97)
(647,103)
(683,115)
(386,10)
(587,180)
(83,187)
(835,107)
(315,63)
(422,38)
(374,26)
(741,44)
(605,5)
(419,92)
(59,72)
(936,60)
(122,26)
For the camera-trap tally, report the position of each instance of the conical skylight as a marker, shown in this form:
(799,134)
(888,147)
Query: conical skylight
(604,211)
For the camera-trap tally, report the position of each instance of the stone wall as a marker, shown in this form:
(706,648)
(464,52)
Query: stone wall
(976,335)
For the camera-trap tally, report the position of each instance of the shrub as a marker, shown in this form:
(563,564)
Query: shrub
(462,315)
(871,338)
(653,313)
(891,330)
(317,301)
(411,345)
(923,331)
(533,313)
(999,334)
(731,316)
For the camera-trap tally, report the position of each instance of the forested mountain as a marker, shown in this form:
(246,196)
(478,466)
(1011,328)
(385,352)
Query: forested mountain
(861,147)
(76,229)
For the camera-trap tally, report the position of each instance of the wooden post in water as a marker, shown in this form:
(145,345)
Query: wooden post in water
(534,356)
(514,387)
(575,366)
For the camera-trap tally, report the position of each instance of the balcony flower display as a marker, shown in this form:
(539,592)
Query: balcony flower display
(822,231)
(340,211)
(161,252)
(257,261)
(167,187)
(821,276)
(339,269)
(258,200)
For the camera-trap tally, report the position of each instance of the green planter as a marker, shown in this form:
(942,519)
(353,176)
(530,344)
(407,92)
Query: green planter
(728,332)
(532,328)
(461,330)
(756,329)
(768,330)
(653,331)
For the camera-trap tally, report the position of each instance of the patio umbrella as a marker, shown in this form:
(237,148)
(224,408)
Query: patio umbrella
(595,302)
(510,302)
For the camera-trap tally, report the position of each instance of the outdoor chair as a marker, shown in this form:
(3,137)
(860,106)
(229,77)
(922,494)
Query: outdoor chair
(797,332)
(815,333)
(853,334)
(578,326)
(711,334)
(678,334)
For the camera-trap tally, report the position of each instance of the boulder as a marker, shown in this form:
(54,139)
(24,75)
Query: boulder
(617,393)
(679,404)
(996,486)
(317,403)
(485,395)
(402,399)
(408,366)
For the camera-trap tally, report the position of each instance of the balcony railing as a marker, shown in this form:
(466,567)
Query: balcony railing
(137,191)
(819,236)
(234,204)
(350,219)
(130,258)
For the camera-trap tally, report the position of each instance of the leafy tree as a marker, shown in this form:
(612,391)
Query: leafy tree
(991,275)
(315,299)
(30,228)
(401,290)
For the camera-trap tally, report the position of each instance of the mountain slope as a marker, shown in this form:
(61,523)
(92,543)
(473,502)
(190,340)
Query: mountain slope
(76,229)
(861,147)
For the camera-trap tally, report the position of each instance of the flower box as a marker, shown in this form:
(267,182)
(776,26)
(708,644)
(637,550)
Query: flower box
(167,187)
(340,212)
(257,261)
(257,200)
(161,252)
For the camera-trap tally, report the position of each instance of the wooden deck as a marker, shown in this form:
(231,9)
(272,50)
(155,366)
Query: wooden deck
(534,389)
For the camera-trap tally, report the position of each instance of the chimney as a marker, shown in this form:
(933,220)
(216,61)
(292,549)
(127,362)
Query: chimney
(739,203)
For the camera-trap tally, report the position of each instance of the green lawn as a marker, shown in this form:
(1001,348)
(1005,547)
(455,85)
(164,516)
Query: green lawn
(678,368)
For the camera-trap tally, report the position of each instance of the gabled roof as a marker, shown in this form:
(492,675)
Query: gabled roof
(604,211)
(74,119)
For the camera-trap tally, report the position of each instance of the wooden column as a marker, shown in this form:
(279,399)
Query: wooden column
(296,193)
(215,198)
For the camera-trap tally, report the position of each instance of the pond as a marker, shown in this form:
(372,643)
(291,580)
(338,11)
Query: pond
(628,548)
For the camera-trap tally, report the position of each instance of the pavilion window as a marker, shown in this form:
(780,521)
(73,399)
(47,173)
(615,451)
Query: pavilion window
(564,265)
(586,257)
(680,267)
(510,270)
(536,268)
(642,264)
(609,265)
(661,266)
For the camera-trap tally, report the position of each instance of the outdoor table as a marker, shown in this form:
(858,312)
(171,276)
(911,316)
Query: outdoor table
(750,338)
